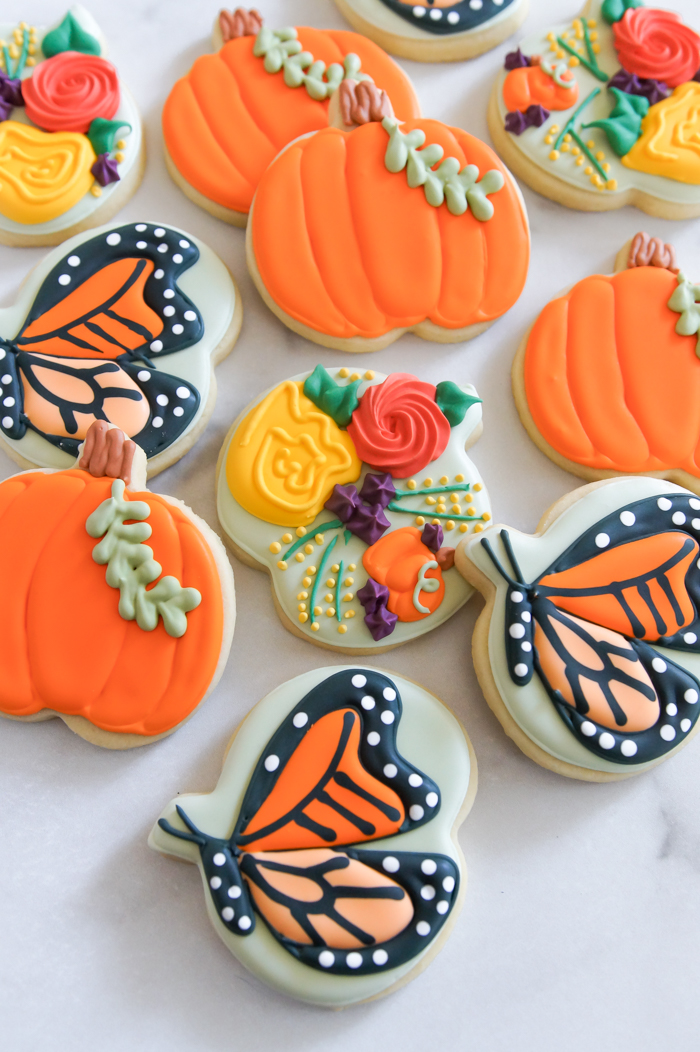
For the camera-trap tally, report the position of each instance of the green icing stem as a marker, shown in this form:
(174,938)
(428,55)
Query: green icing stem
(589,46)
(317,578)
(436,514)
(131,566)
(318,529)
(459,486)
(23,55)
(338,582)
(594,160)
(8,60)
(594,69)
(567,127)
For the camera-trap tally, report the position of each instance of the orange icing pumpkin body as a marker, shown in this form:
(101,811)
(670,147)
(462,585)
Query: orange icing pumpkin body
(225,121)
(531,86)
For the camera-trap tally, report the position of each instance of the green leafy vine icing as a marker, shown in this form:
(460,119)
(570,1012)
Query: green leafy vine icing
(339,402)
(131,566)
(282,51)
(624,125)
(461,190)
(686,302)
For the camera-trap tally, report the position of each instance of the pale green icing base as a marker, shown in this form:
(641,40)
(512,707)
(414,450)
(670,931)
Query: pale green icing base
(530,705)
(383,18)
(207,283)
(255,536)
(532,143)
(428,736)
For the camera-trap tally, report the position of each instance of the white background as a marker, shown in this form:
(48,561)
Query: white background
(581,924)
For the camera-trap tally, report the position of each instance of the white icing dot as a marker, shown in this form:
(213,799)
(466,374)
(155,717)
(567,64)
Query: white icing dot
(73,261)
(354,960)
(113,239)
(526,616)
(358,681)
(158,232)
(415,780)
(628,748)
(672,709)
(416,812)
(244,923)
(691,696)
(606,741)
(690,638)
(2,353)
(436,14)
(6,379)
(387,717)
(157,421)
(389,693)
(667,732)
(428,866)
(588,728)
(143,375)
(380,957)
(183,392)
(628,518)
(678,518)
(234,892)
(142,244)
(527,647)
(7,421)
(427,892)
(685,725)
(169,311)
(178,329)
(432,799)
(516,631)
(423,928)
(9,401)
(215,883)
(168,293)
(219,858)
(184,244)
(272,762)
(368,702)
(227,913)
(516,597)
(157,345)
(390,864)
(476,5)
(693,502)
(664,503)
(602,540)
(177,258)
(391,770)
(178,411)
(520,669)
(658,664)
(449,884)
(159,273)
(190,315)
(162,399)
(695,524)
(300,720)
(64,279)
(140,227)
(453,18)
(418,12)
(442,906)
(163,247)
(326,959)
(373,738)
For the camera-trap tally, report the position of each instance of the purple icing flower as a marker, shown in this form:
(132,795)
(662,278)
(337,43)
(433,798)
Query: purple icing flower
(105,170)
(516,60)
(368,522)
(432,536)
(697,75)
(378,489)
(10,95)
(516,122)
(536,116)
(343,501)
(653,90)
(379,620)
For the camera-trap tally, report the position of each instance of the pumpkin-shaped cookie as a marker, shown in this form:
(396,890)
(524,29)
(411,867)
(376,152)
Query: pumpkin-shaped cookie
(119,638)
(359,234)
(225,121)
(607,381)
(71,145)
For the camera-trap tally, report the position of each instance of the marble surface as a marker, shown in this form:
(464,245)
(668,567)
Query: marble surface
(581,922)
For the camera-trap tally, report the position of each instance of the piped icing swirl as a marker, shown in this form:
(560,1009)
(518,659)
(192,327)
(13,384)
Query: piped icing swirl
(656,45)
(362,102)
(243,22)
(66,92)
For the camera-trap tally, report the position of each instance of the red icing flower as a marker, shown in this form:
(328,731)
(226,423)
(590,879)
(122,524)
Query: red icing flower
(657,45)
(398,426)
(66,92)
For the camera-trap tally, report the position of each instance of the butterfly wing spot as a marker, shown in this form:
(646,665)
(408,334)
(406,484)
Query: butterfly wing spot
(12,420)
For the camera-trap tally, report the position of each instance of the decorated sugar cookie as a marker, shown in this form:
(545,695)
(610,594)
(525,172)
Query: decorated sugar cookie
(125,325)
(602,111)
(588,650)
(435,30)
(71,145)
(607,381)
(117,604)
(372,228)
(236,109)
(351,491)
(329,857)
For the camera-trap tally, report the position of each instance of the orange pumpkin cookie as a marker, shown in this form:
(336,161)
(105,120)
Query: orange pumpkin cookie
(71,143)
(362,232)
(607,381)
(119,638)
(351,491)
(235,110)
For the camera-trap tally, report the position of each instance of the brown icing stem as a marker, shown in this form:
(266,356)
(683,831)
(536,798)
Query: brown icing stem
(445,558)
(648,251)
(362,102)
(243,22)
(107,452)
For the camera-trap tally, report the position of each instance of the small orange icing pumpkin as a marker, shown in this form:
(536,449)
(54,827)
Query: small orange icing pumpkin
(401,562)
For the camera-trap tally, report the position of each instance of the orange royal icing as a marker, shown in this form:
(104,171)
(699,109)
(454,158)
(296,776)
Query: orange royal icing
(530,86)
(395,561)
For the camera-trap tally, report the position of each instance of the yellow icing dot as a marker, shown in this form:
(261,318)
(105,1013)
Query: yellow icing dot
(369,375)
(329,597)
(611,184)
(449,525)
(308,548)
(286,538)
(343,373)
(411,484)
(427,482)
(605,167)
(318,610)
(588,170)
(348,597)
(456,509)
(592,36)
(430,500)
(330,612)
(565,147)
(441,509)
(551,36)
(478,527)
(348,581)
(31,50)
(468,498)
(330,582)
(119,157)
(459,478)
(454,497)
(306,582)
(420,521)
(301,606)
(95,189)
(275,547)
(591,144)
(592,23)
(575,151)
(315,626)
(435,522)
(352,566)
(554,155)
(299,557)
(600,156)
(444,480)
(573,61)
(470,511)
(349,613)
(281,565)
(355,376)
(463,527)
(579,161)
(342,629)
(301,531)
(303,617)
(486,516)
(554,46)
(595,48)
(121,144)
(335,567)
(560,53)
(549,139)
(319,538)
(303,595)
(554,128)
(311,570)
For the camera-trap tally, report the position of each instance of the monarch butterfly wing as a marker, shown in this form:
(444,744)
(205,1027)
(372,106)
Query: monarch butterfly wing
(12,420)
(173,404)
(352,912)
(116,294)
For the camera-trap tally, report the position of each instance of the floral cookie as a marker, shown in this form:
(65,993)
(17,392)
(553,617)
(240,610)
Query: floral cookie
(607,381)
(356,237)
(588,650)
(330,859)
(435,30)
(316,486)
(71,143)
(602,112)
(236,109)
(120,639)
(86,338)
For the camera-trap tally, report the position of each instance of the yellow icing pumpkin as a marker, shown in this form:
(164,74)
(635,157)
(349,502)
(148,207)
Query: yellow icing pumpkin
(670,140)
(286,456)
(42,174)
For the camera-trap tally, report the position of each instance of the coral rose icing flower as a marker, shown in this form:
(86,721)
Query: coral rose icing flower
(398,426)
(657,45)
(67,92)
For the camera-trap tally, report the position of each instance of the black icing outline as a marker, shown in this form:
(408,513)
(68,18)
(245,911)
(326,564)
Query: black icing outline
(468,18)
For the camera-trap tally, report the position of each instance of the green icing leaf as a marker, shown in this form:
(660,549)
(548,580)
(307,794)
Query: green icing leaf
(686,302)
(460,189)
(453,401)
(624,125)
(613,10)
(103,133)
(338,402)
(282,51)
(70,36)
(131,566)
